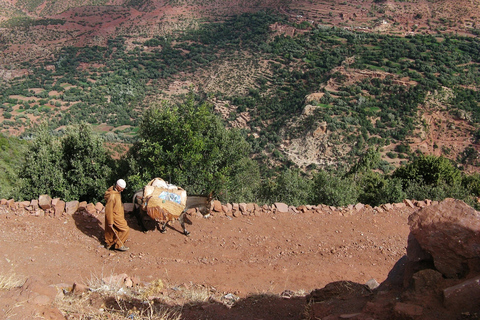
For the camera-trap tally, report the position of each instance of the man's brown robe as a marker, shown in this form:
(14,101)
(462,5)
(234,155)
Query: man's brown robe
(114,214)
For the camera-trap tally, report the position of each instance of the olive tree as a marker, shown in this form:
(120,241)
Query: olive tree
(188,145)
(72,166)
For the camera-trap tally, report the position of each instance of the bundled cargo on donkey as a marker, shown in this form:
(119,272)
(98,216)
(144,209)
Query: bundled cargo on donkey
(162,201)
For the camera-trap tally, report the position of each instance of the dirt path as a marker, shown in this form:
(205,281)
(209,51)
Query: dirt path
(247,256)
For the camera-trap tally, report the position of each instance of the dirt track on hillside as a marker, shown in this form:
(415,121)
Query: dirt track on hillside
(245,256)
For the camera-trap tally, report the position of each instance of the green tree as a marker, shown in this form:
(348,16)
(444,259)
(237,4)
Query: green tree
(12,153)
(42,172)
(431,177)
(187,145)
(431,170)
(289,187)
(85,163)
(334,190)
(472,184)
(368,161)
(74,166)
(377,189)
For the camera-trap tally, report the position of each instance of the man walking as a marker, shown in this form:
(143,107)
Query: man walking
(116,227)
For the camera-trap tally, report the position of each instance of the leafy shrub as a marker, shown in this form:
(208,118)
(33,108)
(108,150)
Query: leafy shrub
(377,189)
(334,190)
(290,187)
(431,170)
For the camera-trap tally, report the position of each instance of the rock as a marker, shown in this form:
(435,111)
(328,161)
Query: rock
(250,208)
(407,311)
(281,207)
(359,206)
(71,207)
(292,210)
(54,201)
(59,208)
(192,212)
(450,232)
(90,208)
(409,203)
(217,206)
(99,206)
(399,205)
(372,284)
(225,208)
(464,296)
(34,204)
(420,204)
(415,252)
(82,205)
(243,208)
(23,204)
(10,203)
(79,288)
(427,280)
(339,290)
(45,201)
(128,282)
(387,206)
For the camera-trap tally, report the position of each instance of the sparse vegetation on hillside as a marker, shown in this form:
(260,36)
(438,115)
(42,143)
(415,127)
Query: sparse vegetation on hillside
(371,89)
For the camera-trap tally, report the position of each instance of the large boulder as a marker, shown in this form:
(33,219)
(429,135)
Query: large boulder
(450,233)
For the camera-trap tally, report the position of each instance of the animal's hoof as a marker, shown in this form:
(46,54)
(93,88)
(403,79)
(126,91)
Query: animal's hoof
(186,233)
(163,230)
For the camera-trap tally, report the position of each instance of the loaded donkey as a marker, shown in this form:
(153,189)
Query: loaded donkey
(162,202)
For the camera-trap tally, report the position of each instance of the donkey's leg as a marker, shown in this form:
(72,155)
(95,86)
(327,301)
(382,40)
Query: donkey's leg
(182,223)
(140,215)
(162,227)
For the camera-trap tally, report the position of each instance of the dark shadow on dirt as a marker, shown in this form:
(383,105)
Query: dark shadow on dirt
(265,307)
(135,223)
(90,225)
(149,224)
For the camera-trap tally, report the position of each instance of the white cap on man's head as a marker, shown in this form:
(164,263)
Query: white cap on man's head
(121,183)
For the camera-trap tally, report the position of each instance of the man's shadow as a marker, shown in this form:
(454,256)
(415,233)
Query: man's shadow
(90,225)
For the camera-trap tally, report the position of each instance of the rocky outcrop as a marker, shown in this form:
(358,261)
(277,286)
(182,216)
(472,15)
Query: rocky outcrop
(449,234)
(439,278)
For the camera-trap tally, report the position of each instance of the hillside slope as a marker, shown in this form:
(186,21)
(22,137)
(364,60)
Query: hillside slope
(113,35)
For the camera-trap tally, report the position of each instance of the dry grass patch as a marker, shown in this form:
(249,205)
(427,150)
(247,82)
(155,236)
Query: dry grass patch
(10,281)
